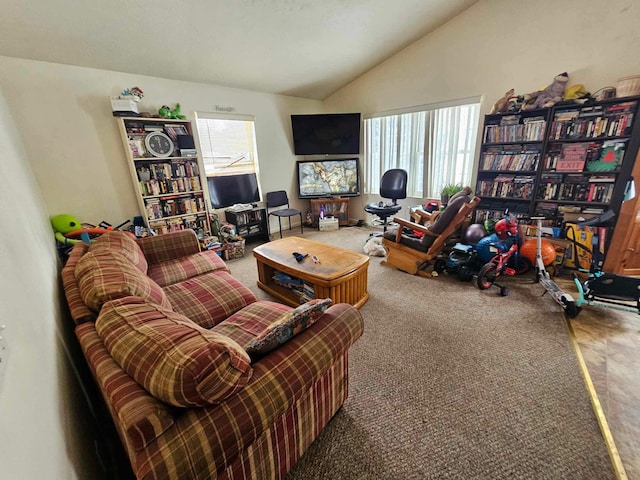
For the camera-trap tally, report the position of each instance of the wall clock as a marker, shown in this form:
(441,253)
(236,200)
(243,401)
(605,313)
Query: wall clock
(159,144)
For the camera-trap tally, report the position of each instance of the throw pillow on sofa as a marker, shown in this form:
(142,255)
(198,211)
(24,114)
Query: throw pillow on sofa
(287,326)
(108,275)
(123,243)
(174,359)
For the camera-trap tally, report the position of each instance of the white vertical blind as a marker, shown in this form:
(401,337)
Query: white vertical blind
(435,146)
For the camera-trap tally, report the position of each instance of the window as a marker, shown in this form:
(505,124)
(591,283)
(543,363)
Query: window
(227,143)
(435,144)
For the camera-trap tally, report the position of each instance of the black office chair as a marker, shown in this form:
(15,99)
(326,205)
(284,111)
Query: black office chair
(393,185)
(280,199)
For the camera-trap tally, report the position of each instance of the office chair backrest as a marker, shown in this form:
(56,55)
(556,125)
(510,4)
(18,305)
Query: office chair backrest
(277,199)
(393,184)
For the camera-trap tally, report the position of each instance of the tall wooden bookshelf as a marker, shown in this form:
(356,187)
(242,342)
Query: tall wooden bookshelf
(170,185)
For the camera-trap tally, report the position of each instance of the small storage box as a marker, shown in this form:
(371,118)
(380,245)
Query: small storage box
(120,104)
(233,250)
(328,223)
(628,86)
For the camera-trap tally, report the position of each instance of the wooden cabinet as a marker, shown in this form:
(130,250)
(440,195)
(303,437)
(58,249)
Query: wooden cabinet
(512,145)
(623,256)
(332,207)
(166,173)
(249,223)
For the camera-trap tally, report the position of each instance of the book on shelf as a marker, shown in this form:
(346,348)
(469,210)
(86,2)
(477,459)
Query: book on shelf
(609,158)
(572,157)
(546,209)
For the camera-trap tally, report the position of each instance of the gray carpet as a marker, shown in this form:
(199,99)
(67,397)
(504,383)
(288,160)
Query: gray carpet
(450,382)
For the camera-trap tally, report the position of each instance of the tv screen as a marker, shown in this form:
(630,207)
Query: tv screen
(326,134)
(328,178)
(228,190)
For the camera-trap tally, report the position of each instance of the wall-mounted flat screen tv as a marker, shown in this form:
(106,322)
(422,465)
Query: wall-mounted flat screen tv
(326,134)
(328,178)
(228,190)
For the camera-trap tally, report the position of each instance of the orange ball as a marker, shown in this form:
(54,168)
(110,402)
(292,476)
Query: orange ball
(528,250)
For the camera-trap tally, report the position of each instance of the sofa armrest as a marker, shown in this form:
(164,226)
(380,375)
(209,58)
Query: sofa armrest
(279,380)
(169,246)
(141,418)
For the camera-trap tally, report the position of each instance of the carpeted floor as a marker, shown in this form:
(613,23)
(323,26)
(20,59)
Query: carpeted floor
(450,382)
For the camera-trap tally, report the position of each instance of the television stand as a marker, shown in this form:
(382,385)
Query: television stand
(333,207)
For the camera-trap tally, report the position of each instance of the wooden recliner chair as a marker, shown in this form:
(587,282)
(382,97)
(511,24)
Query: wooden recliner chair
(413,254)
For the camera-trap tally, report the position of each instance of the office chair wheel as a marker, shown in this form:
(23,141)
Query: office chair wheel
(504,291)
(487,276)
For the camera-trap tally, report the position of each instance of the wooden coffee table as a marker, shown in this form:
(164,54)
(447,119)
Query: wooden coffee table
(340,274)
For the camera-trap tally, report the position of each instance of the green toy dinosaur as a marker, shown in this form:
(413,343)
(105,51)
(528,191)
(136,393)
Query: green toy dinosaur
(166,112)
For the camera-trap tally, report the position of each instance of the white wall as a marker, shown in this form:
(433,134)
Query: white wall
(64,118)
(500,44)
(43,418)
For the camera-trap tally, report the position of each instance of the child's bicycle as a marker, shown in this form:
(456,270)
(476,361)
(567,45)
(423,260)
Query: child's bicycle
(506,259)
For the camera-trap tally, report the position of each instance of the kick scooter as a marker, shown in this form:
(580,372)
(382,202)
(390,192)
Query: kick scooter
(564,299)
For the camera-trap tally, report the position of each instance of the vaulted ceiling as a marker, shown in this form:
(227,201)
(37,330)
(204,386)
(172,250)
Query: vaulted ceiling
(304,48)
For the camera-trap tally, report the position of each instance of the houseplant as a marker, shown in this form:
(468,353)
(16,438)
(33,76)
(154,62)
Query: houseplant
(449,190)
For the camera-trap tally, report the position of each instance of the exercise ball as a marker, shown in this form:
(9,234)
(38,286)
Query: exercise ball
(473,234)
(548,251)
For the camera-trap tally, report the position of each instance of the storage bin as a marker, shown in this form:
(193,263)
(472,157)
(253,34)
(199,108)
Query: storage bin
(233,250)
(328,223)
(628,86)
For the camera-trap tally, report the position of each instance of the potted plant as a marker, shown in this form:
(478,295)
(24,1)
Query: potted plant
(449,190)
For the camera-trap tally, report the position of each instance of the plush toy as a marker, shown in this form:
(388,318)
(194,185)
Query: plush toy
(66,224)
(68,230)
(501,105)
(166,112)
(549,96)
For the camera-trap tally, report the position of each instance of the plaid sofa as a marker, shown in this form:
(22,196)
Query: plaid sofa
(164,327)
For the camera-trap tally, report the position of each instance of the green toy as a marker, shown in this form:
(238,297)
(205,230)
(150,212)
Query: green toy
(64,224)
(166,112)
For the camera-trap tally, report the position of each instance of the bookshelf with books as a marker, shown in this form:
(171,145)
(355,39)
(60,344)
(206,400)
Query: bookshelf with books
(588,157)
(166,173)
(251,223)
(512,145)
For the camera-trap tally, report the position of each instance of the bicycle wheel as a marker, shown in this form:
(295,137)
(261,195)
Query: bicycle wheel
(487,275)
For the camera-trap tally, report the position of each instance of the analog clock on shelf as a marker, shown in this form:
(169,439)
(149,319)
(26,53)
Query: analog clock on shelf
(159,144)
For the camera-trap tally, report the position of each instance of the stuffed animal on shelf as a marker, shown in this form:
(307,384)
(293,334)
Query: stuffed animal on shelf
(166,112)
(501,105)
(549,96)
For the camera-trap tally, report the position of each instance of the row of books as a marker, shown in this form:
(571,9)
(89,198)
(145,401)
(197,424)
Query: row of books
(498,213)
(578,189)
(175,185)
(157,208)
(572,125)
(196,223)
(551,209)
(173,169)
(519,162)
(532,129)
(507,186)
(248,217)
(303,289)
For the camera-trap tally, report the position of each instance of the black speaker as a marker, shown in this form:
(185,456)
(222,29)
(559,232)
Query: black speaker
(186,141)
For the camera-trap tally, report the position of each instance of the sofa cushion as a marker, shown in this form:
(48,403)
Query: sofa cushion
(287,326)
(108,275)
(174,359)
(180,269)
(245,325)
(124,243)
(210,298)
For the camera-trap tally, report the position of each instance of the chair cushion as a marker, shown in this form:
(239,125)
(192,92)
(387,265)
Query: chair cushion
(108,275)
(287,326)
(210,298)
(123,243)
(174,359)
(444,219)
(180,269)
